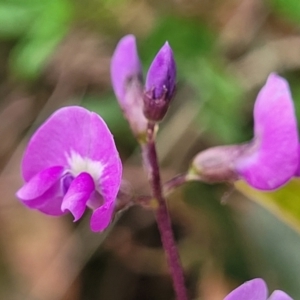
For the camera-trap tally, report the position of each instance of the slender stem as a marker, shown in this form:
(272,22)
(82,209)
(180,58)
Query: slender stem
(174,183)
(162,217)
(178,181)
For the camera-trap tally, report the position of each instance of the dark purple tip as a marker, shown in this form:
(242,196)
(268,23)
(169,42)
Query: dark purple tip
(161,77)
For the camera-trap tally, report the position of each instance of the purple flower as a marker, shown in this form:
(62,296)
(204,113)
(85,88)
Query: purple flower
(160,84)
(255,289)
(126,77)
(71,162)
(271,158)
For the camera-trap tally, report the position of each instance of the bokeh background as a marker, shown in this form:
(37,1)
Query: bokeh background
(57,52)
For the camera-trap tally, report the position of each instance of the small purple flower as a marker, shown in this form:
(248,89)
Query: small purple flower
(255,289)
(126,78)
(271,158)
(160,84)
(71,162)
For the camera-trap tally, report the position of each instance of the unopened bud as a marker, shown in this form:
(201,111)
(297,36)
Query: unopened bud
(160,84)
(217,164)
(126,77)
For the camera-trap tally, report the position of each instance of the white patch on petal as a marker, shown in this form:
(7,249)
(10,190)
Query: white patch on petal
(79,164)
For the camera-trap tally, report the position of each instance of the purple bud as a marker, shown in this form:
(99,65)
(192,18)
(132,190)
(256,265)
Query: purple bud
(160,84)
(126,78)
(161,75)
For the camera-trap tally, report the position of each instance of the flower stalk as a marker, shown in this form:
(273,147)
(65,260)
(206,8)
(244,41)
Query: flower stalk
(162,215)
(171,185)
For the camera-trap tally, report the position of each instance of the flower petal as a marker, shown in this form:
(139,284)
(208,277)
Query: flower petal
(255,289)
(49,203)
(274,158)
(103,149)
(64,131)
(101,217)
(40,183)
(125,65)
(279,295)
(78,195)
(95,201)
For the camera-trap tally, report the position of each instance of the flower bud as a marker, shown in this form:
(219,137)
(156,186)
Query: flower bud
(217,164)
(160,84)
(126,77)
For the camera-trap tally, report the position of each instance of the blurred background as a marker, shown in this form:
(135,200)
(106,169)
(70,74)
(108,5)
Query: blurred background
(57,52)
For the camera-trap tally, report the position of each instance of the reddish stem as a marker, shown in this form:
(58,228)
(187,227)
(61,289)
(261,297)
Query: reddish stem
(162,217)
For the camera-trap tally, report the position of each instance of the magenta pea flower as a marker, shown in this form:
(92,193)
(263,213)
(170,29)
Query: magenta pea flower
(71,162)
(271,158)
(256,289)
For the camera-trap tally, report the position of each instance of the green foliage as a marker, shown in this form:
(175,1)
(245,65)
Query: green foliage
(40,26)
(226,246)
(283,202)
(15,19)
(219,96)
(278,244)
(272,248)
(288,8)
(187,37)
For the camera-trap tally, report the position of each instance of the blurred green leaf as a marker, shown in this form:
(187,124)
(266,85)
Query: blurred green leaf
(272,248)
(287,8)
(30,55)
(219,95)
(187,37)
(284,203)
(224,235)
(14,20)
(16,16)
